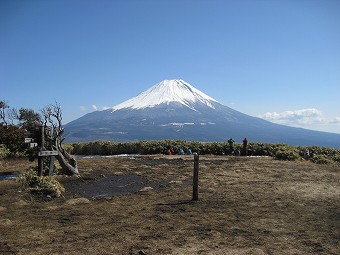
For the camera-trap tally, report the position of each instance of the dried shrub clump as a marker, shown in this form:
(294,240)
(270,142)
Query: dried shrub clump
(41,185)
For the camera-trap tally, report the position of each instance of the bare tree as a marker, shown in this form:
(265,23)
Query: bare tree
(54,130)
(13,115)
(3,107)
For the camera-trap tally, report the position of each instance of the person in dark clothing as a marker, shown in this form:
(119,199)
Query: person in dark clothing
(245,147)
(231,145)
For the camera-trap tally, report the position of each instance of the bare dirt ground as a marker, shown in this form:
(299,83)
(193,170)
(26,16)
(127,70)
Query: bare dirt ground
(246,206)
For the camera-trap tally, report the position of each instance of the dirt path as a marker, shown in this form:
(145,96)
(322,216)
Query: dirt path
(246,206)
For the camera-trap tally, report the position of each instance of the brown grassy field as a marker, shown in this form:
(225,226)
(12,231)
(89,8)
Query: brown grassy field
(247,205)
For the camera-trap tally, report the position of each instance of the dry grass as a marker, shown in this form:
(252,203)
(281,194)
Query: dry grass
(246,206)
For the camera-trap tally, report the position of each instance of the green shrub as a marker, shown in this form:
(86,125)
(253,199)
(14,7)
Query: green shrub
(321,159)
(197,147)
(263,149)
(4,151)
(152,147)
(105,148)
(42,185)
(337,158)
(216,148)
(287,153)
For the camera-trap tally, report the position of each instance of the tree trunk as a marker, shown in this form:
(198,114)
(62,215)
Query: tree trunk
(66,160)
(70,168)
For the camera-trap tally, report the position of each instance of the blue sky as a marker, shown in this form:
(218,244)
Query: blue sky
(279,60)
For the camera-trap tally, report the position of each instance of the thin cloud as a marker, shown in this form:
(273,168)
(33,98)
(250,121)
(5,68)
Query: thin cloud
(301,117)
(100,108)
(336,120)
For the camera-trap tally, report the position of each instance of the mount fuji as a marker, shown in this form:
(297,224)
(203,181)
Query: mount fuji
(174,109)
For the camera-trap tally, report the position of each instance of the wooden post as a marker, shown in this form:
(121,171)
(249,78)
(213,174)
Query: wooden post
(50,173)
(41,148)
(195,179)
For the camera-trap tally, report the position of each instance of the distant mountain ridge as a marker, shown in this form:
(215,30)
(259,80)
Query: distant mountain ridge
(174,109)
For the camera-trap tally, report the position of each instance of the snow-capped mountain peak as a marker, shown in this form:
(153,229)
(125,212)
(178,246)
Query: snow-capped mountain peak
(167,91)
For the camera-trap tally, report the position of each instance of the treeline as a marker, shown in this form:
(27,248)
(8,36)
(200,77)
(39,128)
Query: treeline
(15,126)
(321,155)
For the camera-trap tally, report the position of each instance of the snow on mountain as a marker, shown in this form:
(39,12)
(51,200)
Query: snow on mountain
(166,92)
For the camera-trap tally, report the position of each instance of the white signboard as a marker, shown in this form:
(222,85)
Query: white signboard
(28,140)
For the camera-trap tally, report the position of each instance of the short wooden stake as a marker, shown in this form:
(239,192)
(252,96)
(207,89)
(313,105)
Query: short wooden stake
(195,179)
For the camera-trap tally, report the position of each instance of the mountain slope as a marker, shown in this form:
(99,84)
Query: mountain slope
(173,109)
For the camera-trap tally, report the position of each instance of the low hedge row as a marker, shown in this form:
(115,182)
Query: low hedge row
(322,155)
